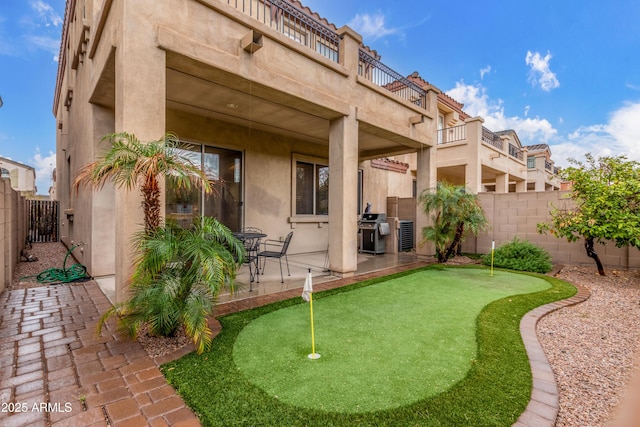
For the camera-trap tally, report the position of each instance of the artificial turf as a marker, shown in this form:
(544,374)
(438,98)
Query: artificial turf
(427,347)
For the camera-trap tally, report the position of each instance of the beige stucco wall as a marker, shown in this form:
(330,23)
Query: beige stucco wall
(517,214)
(127,63)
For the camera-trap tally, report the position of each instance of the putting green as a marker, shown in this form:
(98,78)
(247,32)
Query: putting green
(382,346)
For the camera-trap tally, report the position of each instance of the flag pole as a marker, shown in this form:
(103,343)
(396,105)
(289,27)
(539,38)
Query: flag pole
(493,247)
(308,290)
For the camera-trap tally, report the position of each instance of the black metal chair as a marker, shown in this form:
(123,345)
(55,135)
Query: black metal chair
(252,247)
(276,249)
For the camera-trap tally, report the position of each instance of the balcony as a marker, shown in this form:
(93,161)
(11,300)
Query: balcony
(378,73)
(515,152)
(452,134)
(293,23)
(492,139)
(308,31)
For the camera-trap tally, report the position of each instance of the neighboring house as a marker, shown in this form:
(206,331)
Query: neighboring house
(23,177)
(470,154)
(542,175)
(52,190)
(276,101)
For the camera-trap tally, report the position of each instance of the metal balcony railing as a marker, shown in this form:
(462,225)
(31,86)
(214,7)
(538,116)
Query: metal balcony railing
(293,23)
(452,134)
(515,152)
(492,139)
(376,72)
(548,165)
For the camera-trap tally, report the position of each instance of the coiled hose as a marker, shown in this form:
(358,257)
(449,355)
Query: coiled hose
(64,275)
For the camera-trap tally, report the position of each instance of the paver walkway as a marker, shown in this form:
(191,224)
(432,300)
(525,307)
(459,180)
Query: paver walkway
(54,371)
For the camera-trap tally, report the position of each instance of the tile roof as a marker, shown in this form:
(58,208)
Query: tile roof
(442,97)
(538,147)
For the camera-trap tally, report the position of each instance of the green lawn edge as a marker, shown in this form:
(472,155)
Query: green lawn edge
(495,391)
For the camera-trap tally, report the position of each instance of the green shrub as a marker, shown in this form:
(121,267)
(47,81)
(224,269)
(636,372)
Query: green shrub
(520,255)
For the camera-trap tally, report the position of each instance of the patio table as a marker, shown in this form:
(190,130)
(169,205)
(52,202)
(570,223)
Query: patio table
(251,241)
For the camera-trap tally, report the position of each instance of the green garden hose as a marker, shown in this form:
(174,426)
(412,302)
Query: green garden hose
(64,275)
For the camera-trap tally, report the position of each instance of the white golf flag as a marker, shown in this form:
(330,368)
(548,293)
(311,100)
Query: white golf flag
(308,287)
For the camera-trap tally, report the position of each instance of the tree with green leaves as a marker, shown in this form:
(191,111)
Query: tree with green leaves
(454,213)
(130,163)
(606,196)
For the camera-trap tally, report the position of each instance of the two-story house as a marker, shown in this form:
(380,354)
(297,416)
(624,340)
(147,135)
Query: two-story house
(276,102)
(542,174)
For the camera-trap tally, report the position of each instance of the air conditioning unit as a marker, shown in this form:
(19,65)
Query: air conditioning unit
(406,240)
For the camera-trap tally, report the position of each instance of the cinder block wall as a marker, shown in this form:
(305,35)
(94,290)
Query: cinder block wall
(12,230)
(517,214)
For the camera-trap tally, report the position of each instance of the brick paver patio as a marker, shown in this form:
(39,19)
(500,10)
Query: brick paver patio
(55,371)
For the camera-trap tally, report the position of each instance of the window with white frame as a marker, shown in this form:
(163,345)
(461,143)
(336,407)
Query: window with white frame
(311,187)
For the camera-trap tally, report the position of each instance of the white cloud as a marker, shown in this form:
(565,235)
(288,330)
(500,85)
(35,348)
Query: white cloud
(371,27)
(621,135)
(477,103)
(540,73)
(44,167)
(484,71)
(526,110)
(46,13)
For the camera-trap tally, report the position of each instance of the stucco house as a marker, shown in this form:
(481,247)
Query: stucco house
(22,177)
(542,174)
(271,96)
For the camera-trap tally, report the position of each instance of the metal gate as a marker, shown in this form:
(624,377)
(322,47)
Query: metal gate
(42,220)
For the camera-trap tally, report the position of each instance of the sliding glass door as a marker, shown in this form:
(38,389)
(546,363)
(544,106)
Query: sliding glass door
(224,169)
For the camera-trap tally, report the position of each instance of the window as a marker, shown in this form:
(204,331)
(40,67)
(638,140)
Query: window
(224,169)
(312,188)
(440,128)
(531,162)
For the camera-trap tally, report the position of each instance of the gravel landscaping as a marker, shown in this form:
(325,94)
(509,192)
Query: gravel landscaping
(591,346)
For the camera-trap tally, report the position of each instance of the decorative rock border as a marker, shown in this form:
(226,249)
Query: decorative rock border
(543,407)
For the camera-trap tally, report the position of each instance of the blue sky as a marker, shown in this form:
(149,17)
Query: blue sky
(565,73)
(29,47)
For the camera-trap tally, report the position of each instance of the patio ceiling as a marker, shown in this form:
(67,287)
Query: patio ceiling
(198,89)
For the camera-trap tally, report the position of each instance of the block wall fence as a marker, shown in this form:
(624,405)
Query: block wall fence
(13,230)
(517,214)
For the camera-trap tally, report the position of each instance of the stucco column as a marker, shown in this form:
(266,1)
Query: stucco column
(349,48)
(139,109)
(343,195)
(426,178)
(473,169)
(521,186)
(540,173)
(502,183)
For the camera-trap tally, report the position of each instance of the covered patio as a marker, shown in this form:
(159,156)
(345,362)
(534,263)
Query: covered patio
(299,265)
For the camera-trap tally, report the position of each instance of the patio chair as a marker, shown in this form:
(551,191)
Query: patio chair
(252,247)
(276,249)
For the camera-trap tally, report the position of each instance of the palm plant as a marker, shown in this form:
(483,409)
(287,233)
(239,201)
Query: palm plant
(454,212)
(177,272)
(130,163)
(177,276)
